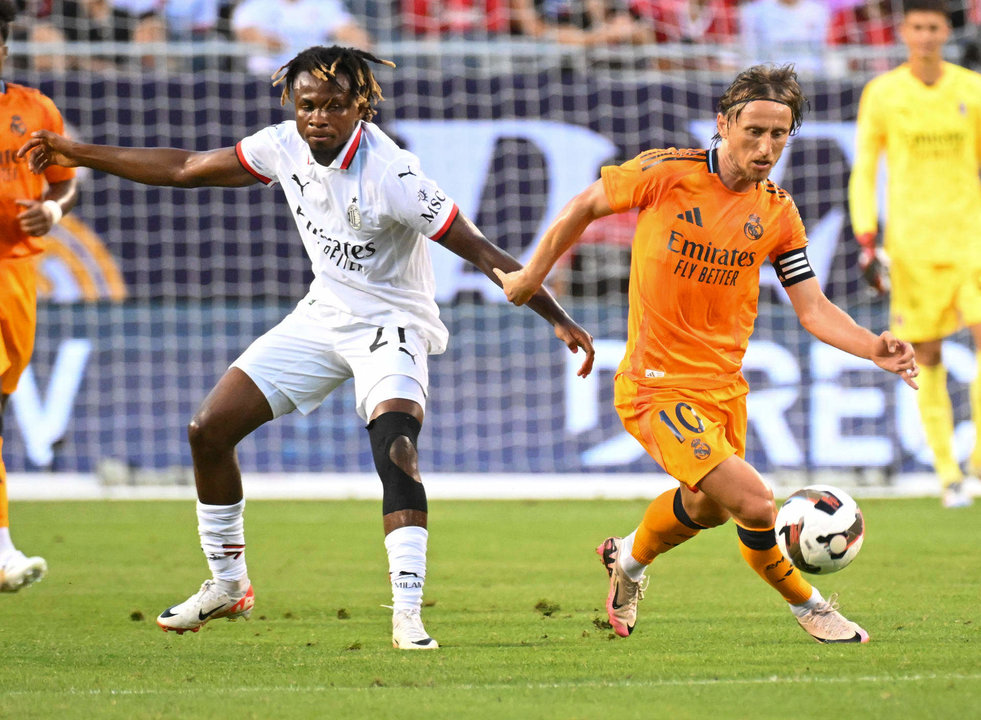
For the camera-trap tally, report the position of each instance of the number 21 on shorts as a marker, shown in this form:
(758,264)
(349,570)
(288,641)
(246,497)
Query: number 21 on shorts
(380,341)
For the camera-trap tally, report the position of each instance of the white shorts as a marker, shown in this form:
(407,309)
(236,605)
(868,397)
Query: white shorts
(298,363)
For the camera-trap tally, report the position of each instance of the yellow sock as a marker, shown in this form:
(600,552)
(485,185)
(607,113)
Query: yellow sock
(760,550)
(4,503)
(975,463)
(937,416)
(665,525)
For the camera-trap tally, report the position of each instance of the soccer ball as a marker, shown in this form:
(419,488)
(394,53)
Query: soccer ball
(820,529)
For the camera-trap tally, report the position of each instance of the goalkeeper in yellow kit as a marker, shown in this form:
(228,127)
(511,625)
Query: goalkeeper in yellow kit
(926,116)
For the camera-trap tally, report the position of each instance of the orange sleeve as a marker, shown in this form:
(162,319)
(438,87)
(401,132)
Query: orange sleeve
(630,185)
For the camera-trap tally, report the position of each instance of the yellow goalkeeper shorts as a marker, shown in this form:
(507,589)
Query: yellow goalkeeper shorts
(930,302)
(687,432)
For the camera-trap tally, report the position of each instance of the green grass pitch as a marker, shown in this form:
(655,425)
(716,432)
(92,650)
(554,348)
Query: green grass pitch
(515,596)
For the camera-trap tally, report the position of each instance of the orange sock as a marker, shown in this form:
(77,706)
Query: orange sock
(665,525)
(760,550)
(4,504)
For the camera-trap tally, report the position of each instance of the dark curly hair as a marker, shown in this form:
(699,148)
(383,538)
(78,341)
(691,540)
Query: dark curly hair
(324,63)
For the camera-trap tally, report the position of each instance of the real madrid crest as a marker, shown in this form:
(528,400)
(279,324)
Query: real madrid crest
(354,214)
(753,229)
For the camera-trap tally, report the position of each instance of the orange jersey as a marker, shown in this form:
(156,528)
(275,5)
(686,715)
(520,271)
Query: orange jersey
(22,111)
(694,272)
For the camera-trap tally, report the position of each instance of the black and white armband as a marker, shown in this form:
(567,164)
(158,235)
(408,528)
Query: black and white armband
(793,266)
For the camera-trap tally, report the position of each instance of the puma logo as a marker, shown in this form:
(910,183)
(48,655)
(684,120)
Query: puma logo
(299,184)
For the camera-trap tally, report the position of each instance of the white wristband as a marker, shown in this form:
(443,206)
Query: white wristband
(54,210)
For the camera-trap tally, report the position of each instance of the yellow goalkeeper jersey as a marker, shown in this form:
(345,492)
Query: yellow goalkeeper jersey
(931,136)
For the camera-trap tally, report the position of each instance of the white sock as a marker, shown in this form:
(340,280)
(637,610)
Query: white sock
(812,602)
(633,569)
(6,544)
(406,548)
(222,532)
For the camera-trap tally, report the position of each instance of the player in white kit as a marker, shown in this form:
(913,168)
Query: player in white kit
(366,213)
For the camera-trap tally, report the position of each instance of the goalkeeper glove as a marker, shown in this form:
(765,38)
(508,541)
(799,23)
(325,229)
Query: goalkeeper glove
(874,263)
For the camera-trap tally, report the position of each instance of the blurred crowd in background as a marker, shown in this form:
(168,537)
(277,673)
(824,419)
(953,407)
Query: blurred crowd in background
(275,30)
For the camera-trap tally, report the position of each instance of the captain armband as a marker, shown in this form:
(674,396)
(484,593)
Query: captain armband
(792,267)
(54,210)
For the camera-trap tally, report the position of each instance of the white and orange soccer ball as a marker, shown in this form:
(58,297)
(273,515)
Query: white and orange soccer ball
(820,529)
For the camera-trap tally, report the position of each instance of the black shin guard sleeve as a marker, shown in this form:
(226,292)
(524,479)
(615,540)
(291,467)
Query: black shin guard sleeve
(400,491)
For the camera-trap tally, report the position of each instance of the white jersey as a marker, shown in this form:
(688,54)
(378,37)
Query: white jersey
(364,220)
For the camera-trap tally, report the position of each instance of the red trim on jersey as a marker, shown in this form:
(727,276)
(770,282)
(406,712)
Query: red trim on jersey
(349,155)
(446,226)
(245,164)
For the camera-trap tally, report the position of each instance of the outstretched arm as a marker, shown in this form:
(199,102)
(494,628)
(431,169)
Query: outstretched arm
(832,325)
(150,166)
(521,285)
(464,239)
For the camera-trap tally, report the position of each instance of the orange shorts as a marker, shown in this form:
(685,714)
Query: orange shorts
(18,318)
(687,432)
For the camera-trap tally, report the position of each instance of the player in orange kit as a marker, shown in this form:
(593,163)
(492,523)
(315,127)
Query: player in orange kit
(29,206)
(708,220)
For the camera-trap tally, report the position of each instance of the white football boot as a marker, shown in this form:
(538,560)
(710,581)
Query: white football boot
(208,603)
(408,632)
(955,496)
(826,625)
(19,571)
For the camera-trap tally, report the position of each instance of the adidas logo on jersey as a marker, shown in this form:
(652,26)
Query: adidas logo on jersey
(693,216)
